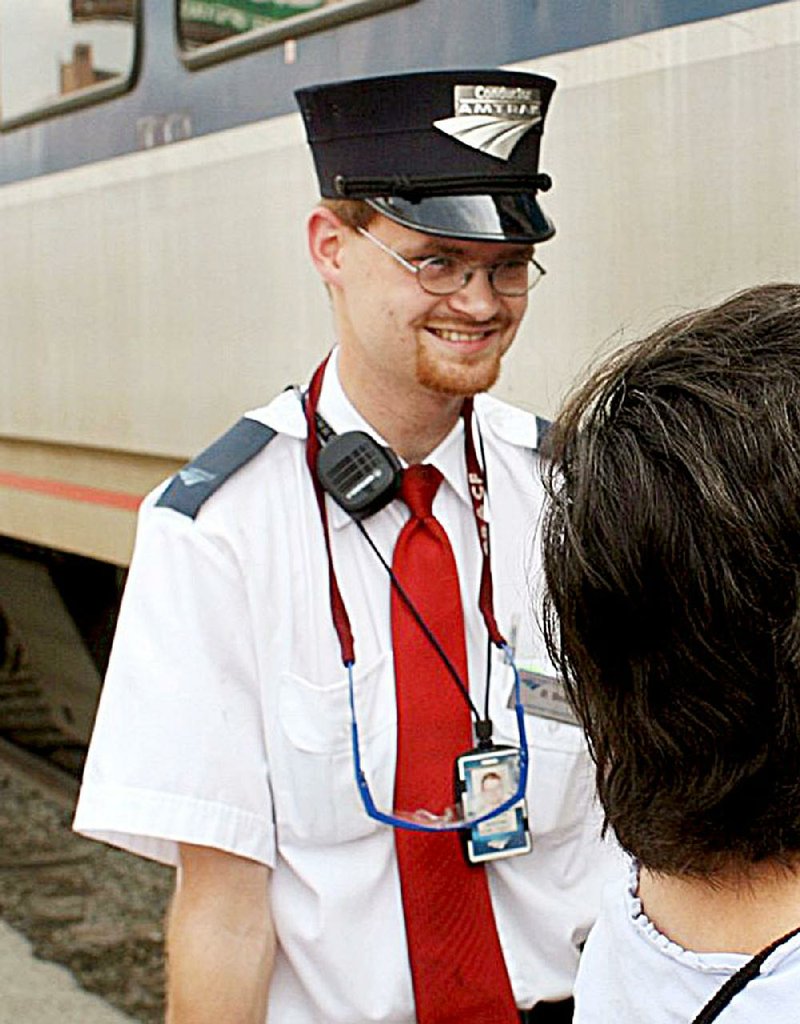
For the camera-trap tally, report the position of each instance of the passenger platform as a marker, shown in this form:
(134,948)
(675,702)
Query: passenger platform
(36,992)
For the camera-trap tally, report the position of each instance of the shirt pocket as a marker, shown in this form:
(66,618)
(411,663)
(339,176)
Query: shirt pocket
(560,790)
(313,773)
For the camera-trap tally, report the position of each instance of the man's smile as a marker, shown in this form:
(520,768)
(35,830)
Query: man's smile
(465,336)
(450,335)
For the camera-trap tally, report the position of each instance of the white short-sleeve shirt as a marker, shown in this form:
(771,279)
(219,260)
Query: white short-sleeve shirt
(224,719)
(630,972)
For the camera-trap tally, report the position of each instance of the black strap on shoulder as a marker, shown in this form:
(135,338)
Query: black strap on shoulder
(193,485)
(738,981)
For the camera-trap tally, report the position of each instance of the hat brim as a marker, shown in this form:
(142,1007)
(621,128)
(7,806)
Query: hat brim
(483,218)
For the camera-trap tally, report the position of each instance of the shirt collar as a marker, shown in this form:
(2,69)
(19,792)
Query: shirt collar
(337,408)
(339,411)
(285,414)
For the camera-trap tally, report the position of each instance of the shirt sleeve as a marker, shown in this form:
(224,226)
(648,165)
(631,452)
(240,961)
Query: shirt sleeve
(178,753)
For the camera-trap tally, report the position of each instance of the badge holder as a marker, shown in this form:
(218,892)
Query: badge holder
(486,778)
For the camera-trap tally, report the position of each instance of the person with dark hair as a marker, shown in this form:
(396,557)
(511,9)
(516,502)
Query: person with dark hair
(314,652)
(672,560)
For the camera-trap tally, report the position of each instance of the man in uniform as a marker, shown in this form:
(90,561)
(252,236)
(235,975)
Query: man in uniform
(319,632)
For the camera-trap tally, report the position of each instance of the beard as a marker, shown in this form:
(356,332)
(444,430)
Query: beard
(461,379)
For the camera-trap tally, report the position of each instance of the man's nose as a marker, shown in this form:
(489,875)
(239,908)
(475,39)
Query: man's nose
(476,298)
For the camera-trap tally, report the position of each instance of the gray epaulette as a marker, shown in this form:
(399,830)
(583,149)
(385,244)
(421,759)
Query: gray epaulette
(199,479)
(542,430)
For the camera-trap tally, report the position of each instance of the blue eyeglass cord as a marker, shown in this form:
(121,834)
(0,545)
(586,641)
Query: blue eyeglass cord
(388,819)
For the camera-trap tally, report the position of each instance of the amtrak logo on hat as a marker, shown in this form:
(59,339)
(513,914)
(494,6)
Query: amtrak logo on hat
(492,118)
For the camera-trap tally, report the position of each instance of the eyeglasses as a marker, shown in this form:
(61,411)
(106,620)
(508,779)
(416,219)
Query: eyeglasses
(446,275)
(454,817)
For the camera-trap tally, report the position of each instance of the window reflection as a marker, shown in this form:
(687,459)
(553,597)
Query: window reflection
(55,48)
(209,21)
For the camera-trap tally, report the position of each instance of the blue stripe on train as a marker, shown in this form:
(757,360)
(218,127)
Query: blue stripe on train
(260,85)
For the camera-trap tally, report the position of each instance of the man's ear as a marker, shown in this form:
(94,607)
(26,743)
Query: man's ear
(326,238)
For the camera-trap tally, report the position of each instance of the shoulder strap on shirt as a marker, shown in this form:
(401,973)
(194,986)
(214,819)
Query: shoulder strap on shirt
(193,485)
(542,430)
(510,424)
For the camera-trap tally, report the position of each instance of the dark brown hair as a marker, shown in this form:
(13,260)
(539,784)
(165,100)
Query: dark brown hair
(672,557)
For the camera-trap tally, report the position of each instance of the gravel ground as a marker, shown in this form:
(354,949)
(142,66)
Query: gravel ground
(98,911)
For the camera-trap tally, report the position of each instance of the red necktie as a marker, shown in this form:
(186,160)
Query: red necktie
(457,966)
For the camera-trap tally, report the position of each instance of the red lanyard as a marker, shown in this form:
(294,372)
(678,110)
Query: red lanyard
(477,493)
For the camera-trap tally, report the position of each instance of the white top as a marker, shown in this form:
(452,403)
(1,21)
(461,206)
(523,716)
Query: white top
(630,973)
(224,719)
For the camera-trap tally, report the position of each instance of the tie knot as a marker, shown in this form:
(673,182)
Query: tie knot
(418,489)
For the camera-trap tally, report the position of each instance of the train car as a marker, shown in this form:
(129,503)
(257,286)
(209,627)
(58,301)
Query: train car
(154,181)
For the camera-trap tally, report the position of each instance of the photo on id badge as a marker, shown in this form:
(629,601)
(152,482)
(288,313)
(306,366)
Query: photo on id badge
(487,779)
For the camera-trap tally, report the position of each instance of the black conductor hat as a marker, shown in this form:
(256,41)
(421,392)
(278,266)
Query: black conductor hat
(452,153)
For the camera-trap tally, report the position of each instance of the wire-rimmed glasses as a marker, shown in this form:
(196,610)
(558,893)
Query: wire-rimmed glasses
(446,275)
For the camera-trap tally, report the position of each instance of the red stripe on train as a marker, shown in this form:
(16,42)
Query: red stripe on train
(73,492)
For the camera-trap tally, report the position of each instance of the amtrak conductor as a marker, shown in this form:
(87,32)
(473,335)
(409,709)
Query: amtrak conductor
(327,641)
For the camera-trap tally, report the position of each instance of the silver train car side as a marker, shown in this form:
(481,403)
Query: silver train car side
(153,276)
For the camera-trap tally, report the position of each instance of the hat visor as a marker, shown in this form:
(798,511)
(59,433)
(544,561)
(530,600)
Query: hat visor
(484,218)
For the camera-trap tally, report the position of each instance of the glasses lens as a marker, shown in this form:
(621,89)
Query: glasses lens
(514,277)
(441,275)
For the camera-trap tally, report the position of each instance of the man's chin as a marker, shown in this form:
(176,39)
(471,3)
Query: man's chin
(462,380)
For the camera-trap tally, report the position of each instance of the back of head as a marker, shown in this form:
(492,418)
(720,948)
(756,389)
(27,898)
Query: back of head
(672,554)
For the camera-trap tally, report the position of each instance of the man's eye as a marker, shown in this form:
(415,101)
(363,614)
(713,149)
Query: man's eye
(437,264)
(512,272)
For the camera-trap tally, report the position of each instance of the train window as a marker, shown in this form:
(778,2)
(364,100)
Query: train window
(212,30)
(59,54)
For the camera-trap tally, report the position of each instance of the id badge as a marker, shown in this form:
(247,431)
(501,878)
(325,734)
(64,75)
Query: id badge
(484,780)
